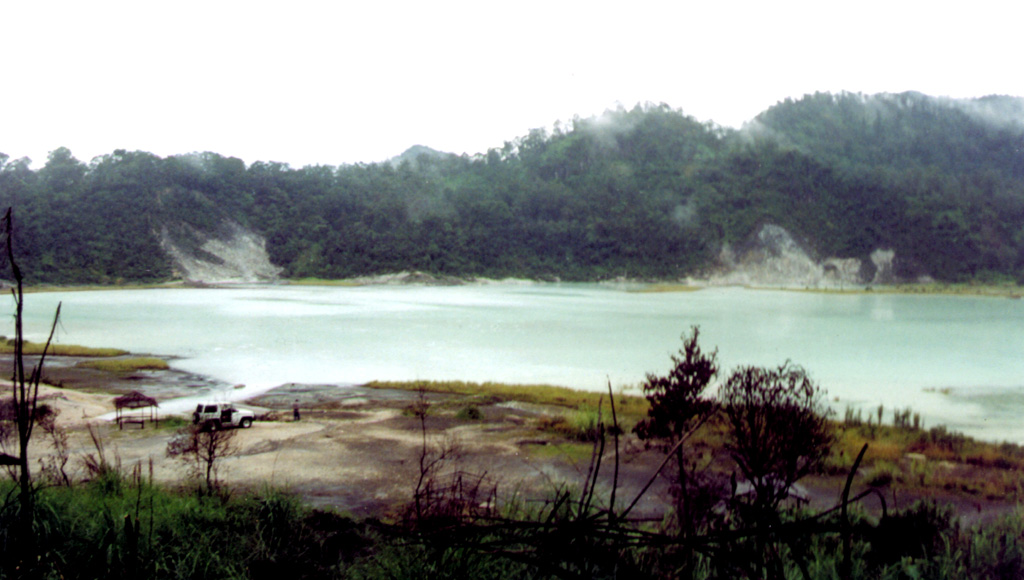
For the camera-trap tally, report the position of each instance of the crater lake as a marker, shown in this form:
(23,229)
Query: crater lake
(954,359)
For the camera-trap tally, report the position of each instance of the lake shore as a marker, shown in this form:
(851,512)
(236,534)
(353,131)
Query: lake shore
(416,278)
(357,449)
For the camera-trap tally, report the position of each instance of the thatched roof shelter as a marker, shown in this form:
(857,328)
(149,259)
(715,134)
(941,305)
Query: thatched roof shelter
(135,408)
(135,400)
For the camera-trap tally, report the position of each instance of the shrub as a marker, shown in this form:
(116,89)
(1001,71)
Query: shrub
(923,530)
(780,429)
(882,474)
(469,413)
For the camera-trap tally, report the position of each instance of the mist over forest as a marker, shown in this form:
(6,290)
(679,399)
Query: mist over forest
(642,193)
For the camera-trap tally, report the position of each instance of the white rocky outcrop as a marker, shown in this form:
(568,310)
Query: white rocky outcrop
(773,257)
(883,261)
(236,255)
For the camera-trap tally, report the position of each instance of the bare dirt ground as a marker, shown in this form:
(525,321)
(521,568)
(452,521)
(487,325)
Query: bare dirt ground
(356,450)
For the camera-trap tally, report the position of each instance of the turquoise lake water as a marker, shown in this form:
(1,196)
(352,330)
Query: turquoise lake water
(956,360)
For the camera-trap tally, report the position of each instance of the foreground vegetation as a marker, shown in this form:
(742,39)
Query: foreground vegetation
(116,522)
(120,525)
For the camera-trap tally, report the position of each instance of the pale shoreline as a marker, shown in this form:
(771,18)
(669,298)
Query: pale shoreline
(689,284)
(179,391)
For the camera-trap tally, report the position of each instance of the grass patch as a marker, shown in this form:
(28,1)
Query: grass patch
(322,282)
(125,365)
(627,407)
(659,288)
(45,288)
(931,459)
(173,422)
(996,290)
(579,425)
(1005,290)
(575,452)
(36,348)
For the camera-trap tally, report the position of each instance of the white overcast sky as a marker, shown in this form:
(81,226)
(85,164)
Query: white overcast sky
(341,82)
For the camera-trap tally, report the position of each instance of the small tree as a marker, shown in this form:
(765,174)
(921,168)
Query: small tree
(54,466)
(678,402)
(780,429)
(24,400)
(678,407)
(201,449)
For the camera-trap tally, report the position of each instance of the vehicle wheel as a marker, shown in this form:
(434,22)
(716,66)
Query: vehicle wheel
(246,423)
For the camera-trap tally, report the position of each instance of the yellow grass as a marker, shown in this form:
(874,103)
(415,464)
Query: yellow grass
(36,348)
(940,461)
(626,406)
(121,365)
(1006,290)
(665,287)
(94,287)
(322,282)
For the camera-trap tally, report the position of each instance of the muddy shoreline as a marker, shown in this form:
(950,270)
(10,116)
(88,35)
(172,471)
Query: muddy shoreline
(357,449)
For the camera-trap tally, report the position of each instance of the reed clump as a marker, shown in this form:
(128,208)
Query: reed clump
(906,454)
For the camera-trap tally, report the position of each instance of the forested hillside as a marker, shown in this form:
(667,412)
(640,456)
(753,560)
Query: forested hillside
(641,193)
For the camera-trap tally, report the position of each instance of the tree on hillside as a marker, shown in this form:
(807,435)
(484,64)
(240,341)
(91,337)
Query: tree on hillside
(62,173)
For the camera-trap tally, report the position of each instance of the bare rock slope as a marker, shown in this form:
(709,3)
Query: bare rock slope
(774,258)
(233,255)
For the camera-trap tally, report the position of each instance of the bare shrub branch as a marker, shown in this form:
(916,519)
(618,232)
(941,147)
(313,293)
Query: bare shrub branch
(202,449)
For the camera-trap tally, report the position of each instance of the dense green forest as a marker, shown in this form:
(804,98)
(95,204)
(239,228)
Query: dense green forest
(647,193)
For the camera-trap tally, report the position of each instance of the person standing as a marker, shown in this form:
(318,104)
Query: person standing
(295,411)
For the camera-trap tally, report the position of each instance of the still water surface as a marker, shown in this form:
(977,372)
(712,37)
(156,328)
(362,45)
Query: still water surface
(957,360)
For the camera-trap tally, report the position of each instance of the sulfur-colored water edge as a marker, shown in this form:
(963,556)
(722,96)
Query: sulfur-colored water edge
(955,359)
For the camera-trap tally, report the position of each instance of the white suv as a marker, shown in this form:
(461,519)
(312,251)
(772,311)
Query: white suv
(222,415)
